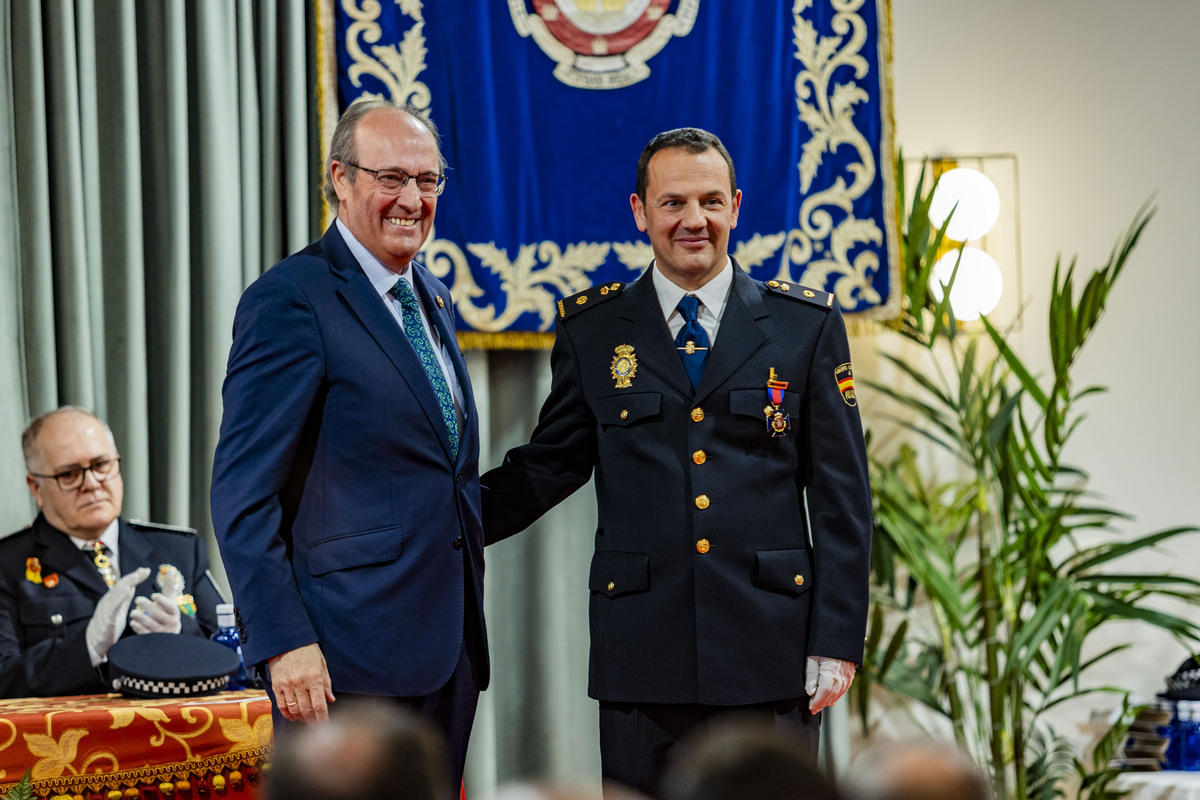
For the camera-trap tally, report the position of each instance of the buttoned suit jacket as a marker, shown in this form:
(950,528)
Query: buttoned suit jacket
(341,515)
(679,471)
(43,621)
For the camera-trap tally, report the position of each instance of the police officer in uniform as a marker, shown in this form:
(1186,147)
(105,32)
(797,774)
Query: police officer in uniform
(719,417)
(80,577)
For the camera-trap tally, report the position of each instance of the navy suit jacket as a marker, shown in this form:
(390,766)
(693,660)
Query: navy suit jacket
(710,583)
(43,649)
(341,516)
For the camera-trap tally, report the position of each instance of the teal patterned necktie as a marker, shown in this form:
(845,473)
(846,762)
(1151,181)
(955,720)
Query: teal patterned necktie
(415,331)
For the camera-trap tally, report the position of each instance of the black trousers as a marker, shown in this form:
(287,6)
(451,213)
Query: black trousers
(637,739)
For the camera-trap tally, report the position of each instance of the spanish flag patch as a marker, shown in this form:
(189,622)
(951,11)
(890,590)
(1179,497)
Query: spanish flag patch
(844,376)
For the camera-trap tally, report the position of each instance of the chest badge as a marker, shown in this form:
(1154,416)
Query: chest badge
(624,366)
(33,570)
(778,422)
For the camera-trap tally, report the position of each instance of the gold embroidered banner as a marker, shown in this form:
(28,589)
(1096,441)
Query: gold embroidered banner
(545,105)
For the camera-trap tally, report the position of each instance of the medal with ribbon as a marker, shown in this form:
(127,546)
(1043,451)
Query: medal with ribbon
(778,422)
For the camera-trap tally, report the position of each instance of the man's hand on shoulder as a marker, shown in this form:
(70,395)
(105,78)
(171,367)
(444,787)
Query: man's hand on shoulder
(301,684)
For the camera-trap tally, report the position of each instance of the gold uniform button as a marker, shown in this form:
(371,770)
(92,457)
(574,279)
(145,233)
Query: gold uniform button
(612,585)
(702,502)
(702,546)
(699,457)
(787,287)
(799,580)
(624,413)
(697,414)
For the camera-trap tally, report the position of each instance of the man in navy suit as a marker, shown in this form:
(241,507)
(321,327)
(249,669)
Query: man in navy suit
(719,417)
(81,576)
(345,490)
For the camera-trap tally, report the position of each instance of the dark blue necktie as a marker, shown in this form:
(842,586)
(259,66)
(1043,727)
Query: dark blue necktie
(415,331)
(691,341)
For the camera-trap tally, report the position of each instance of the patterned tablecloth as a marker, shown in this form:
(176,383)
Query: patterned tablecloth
(111,747)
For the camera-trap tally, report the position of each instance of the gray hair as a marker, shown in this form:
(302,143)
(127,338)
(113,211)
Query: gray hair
(344,149)
(29,438)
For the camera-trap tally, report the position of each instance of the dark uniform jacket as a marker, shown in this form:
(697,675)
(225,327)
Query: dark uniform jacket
(707,583)
(45,605)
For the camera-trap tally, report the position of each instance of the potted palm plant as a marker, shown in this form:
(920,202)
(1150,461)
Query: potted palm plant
(990,577)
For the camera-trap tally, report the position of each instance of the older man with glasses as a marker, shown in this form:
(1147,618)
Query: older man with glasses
(345,492)
(81,577)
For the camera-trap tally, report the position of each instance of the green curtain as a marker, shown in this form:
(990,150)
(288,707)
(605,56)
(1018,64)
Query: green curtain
(163,155)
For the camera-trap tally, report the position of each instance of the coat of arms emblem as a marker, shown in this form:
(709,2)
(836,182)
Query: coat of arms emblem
(602,44)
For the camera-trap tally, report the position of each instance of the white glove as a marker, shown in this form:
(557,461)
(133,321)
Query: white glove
(155,614)
(826,680)
(108,620)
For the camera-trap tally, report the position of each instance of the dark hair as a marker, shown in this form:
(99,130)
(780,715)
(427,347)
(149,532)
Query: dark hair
(343,147)
(693,140)
(744,758)
(368,748)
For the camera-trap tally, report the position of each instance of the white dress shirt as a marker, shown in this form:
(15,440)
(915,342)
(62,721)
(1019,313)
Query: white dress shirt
(383,279)
(712,295)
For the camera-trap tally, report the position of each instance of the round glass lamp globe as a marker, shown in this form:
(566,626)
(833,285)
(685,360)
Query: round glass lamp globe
(977,287)
(977,199)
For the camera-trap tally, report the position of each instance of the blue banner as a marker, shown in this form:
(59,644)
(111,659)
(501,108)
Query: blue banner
(545,105)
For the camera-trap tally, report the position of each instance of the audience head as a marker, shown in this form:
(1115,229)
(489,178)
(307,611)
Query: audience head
(74,471)
(744,759)
(366,749)
(923,770)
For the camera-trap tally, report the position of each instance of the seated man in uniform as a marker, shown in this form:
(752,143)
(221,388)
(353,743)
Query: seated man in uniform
(80,577)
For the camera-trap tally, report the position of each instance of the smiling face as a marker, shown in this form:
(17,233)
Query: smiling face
(67,440)
(391,227)
(690,208)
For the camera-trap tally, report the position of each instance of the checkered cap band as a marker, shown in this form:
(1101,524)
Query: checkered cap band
(173,688)
(1184,679)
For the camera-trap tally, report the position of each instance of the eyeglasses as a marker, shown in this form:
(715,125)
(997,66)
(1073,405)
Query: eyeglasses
(393,181)
(71,479)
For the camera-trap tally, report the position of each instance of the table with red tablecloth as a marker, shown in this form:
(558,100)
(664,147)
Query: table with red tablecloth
(111,747)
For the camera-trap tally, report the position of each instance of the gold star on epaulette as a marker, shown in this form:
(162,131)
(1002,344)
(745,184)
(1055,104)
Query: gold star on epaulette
(798,292)
(587,298)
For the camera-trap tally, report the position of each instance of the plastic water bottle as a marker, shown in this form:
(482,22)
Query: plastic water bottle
(227,635)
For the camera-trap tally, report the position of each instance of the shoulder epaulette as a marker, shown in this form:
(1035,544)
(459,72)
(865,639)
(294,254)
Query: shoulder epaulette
(587,298)
(158,526)
(795,290)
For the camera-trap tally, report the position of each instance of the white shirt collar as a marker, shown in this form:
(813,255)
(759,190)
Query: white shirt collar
(713,294)
(108,539)
(381,278)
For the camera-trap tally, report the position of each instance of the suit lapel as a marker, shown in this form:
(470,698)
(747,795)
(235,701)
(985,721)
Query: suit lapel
(59,554)
(359,295)
(738,336)
(651,338)
(135,551)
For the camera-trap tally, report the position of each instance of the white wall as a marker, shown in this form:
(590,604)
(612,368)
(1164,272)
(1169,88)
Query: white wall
(1099,101)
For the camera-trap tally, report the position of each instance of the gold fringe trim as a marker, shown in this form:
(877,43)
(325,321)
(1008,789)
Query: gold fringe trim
(893,223)
(149,776)
(326,92)
(505,340)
